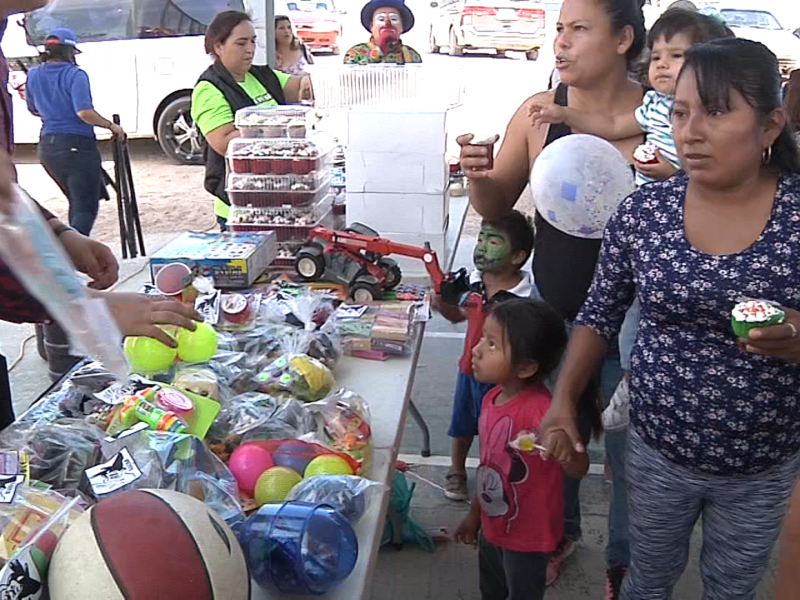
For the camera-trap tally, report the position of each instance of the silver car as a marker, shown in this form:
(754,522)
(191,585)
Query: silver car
(497,24)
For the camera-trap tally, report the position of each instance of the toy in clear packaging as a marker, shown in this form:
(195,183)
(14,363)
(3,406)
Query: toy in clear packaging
(348,494)
(298,375)
(343,423)
(139,408)
(299,548)
(30,249)
(198,380)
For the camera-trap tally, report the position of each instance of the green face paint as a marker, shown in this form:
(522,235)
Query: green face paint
(493,250)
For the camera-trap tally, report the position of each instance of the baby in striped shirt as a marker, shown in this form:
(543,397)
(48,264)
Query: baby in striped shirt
(669,38)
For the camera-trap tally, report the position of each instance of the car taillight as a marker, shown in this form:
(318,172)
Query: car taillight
(531,14)
(479,11)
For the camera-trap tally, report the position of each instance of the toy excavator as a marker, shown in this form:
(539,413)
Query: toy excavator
(356,257)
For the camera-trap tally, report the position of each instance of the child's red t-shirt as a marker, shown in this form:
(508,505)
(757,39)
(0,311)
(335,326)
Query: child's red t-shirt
(477,308)
(521,495)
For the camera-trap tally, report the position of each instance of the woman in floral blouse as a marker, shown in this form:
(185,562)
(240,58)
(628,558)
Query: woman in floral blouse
(715,420)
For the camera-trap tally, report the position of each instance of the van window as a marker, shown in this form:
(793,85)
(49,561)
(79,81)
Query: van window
(168,18)
(91,20)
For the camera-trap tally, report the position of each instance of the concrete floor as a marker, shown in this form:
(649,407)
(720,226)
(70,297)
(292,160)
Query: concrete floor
(450,573)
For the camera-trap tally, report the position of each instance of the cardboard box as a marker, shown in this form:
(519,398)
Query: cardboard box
(414,267)
(410,173)
(403,213)
(232,259)
(376,129)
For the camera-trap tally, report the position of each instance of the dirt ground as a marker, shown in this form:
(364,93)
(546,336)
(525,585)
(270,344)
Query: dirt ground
(171,197)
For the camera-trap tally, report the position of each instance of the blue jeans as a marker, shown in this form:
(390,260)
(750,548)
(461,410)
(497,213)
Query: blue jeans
(617,550)
(73,162)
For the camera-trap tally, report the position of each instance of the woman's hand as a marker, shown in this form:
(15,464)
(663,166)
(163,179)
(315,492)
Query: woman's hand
(541,114)
(475,159)
(781,341)
(659,171)
(559,432)
(139,315)
(92,258)
(467,530)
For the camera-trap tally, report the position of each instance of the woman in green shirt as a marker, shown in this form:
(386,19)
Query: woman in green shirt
(231,83)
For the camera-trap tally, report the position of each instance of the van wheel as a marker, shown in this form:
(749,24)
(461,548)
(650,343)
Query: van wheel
(532,54)
(432,47)
(179,137)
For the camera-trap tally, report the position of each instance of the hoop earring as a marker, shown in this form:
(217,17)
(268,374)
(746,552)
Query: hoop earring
(766,156)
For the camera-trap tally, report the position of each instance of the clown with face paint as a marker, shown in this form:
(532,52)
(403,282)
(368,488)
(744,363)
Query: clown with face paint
(386,20)
(504,246)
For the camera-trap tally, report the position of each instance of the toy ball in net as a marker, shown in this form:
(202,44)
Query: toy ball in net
(577,183)
(247,463)
(328,464)
(275,484)
(149,544)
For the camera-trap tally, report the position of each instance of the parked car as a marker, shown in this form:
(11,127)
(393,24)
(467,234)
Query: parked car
(761,26)
(499,25)
(317,24)
(143,58)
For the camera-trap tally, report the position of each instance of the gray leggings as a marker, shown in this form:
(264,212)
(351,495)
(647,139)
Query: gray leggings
(742,518)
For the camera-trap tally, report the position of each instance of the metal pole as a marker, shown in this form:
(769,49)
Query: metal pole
(269,17)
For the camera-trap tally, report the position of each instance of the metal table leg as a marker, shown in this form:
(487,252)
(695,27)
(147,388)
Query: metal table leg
(426,434)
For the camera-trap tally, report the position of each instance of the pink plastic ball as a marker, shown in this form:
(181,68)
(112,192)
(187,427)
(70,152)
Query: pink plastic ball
(247,463)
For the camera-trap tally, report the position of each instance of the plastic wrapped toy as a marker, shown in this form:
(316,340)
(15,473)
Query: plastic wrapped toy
(297,375)
(24,576)
(343,424)
(348,494)
(30,249)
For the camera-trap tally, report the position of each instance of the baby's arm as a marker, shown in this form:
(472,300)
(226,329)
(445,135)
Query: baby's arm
(617,127)
(577,465)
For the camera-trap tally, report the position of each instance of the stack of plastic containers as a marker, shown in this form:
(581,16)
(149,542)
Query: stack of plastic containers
(279,176)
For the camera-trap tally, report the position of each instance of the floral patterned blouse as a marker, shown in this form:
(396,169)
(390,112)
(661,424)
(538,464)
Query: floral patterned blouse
(696,397)
(370,53)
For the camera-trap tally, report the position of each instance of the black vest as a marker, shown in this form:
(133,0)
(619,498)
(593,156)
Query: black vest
(218,76)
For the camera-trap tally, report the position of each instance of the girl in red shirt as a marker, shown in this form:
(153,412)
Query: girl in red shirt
(519,504)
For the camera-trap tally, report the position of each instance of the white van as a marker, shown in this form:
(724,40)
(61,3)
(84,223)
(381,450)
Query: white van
(143,58)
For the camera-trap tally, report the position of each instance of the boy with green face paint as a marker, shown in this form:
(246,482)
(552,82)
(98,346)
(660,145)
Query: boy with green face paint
(504,246)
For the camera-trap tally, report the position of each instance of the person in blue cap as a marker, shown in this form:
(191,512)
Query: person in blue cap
(58,91)
(386,20)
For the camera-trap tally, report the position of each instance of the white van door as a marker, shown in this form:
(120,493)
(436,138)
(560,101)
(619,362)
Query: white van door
(108,55)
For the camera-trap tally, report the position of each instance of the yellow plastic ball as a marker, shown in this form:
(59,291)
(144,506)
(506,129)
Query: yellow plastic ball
(147,355)
(328,464)
(197,346)
(275,484)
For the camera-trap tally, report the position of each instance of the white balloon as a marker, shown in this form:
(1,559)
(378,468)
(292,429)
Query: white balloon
(577,183)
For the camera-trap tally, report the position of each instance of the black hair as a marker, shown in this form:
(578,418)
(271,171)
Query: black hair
(58,52)
(535,333)
(518,228)
(221,28)
(624,13)
(750,68)
(698,27)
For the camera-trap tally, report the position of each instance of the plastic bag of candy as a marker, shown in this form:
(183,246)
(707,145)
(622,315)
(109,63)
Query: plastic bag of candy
(32,252)
(154,459)
(58,452)
(24,576)
(25,510)
(198,379)
(349,494)
(296,376)
(343,423)
(261,345)
(239,312)
(299,308)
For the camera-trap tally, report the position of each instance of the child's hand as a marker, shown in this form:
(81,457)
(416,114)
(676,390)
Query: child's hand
(660,170)
(467,531)
(552,114)
(451,312)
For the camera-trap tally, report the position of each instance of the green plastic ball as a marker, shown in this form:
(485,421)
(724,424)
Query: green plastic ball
(275,484)
(197,346)
(147,355)
(328,464)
